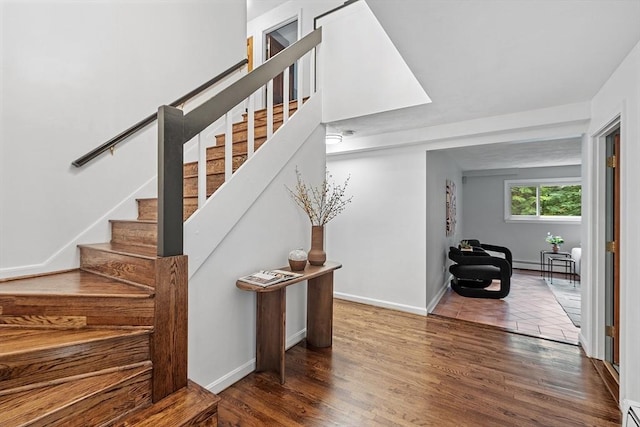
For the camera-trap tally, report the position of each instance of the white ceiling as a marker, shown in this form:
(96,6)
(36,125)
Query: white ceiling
(483,58)
(558,152)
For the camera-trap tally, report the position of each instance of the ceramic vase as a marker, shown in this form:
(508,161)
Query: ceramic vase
(555,248)
(317,255)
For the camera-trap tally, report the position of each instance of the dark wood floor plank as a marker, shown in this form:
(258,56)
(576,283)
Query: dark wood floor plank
(392,368)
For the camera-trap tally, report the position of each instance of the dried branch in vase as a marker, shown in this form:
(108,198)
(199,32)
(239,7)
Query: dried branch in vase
(322,203)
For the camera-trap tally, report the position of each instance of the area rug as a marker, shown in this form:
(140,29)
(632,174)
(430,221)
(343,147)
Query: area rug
(568,296)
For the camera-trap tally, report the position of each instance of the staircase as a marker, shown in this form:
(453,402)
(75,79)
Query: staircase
(77,347)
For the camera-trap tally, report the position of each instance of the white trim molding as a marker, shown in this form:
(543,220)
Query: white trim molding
(380,303)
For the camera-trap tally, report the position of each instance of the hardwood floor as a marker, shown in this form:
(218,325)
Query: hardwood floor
(391,368)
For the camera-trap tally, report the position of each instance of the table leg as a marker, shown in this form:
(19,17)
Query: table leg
(270,331)
(320,311)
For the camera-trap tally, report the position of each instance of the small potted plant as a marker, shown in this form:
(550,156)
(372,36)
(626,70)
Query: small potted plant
(465,246)
(555,241)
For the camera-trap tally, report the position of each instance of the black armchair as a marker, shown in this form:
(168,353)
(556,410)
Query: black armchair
(474,270)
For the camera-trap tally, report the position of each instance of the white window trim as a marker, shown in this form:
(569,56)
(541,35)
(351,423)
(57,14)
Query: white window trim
(538,182)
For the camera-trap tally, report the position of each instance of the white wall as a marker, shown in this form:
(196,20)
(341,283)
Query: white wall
(222,317)
(74,75)
(484,215)
(359,62)
(380,237)
(620,96)
(440,168)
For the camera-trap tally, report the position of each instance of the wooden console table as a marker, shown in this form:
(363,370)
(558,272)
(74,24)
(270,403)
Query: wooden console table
(271,312)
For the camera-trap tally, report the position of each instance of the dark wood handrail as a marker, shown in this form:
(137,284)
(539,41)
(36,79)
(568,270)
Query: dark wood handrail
(329,12)
(81,161)
(176,128)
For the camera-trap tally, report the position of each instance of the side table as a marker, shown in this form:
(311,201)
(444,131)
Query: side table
(543,264)
(271,315)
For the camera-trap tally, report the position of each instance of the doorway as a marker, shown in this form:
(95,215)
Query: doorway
(276,41)
(612,254)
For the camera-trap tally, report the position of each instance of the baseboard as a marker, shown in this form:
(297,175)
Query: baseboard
(535,266)
(626,404)
(296,338)
(380,303)
(242,371)
(584,343)
(526,265)
(232,377)
(67,256)
(609,378)
(436,299)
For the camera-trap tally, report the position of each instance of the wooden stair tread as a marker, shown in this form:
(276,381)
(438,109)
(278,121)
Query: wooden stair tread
(216,152)
(73,283)
(63,403)
(147,252)
(208,174)
(191,199)
(260,129)
(189,406)
(277,108)
(148,207)
(213,162)
(15,341)
(134,221)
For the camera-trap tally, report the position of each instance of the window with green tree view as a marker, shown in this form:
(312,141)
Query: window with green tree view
(557,199)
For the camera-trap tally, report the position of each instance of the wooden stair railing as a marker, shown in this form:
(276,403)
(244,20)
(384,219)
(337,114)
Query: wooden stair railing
(106,344)
(176,128)
(78,346)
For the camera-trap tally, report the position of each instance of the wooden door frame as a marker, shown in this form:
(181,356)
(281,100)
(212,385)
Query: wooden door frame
(250,53)
(280,24)
(263,54)
(593,290)
(616,237)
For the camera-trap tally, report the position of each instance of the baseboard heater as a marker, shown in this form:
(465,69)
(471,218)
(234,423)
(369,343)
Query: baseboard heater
(633,417)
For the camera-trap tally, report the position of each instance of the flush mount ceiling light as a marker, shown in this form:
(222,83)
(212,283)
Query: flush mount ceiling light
(333,138)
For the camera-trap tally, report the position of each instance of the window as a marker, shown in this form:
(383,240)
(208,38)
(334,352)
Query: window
(556,200)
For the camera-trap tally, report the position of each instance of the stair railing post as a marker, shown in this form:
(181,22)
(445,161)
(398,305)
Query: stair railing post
(313,69)
(170,181)
(300,81)
(285,95)
(169,338)
(202,170)
(270,109)
(228,147)
(251,124)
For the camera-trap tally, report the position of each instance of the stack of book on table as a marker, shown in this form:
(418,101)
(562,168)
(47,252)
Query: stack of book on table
(269,277)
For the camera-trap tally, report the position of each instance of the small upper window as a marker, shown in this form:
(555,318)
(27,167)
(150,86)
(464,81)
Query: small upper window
(558,199)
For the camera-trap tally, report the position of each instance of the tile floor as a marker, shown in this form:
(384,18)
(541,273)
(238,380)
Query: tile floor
(530,309)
